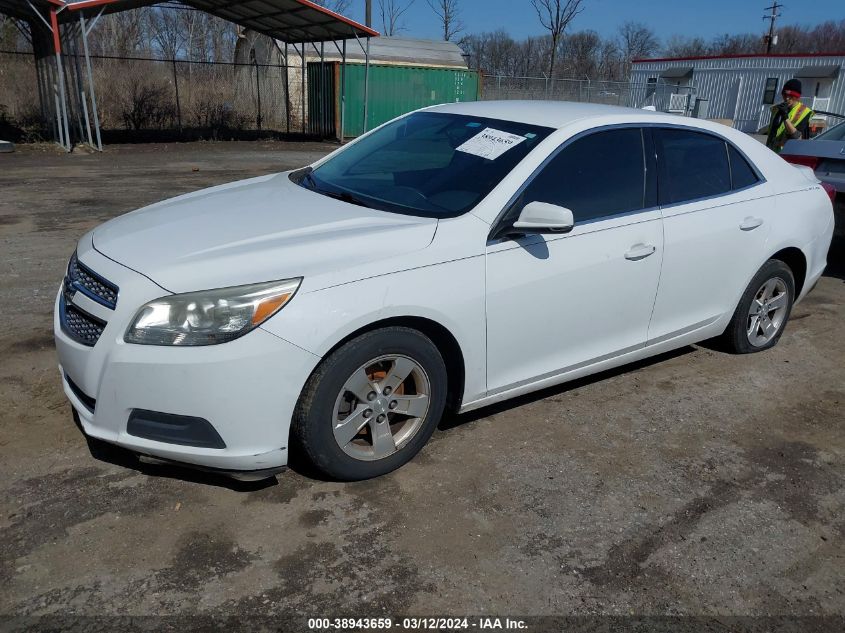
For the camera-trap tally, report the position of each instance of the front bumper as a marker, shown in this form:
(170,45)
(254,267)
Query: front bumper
(246,389)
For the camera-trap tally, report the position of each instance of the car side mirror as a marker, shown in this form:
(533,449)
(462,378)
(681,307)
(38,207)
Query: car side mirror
(542,217)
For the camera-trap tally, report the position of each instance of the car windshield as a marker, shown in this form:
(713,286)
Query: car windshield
(428,163)
(833,134)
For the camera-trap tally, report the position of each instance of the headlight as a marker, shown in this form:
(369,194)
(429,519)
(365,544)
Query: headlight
(209,317)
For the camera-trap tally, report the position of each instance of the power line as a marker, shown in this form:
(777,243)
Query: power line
(771,38)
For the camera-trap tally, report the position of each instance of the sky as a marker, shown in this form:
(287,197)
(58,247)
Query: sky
(666,17)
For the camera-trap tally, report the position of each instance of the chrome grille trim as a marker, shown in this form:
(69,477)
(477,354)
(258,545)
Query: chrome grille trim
(89,283)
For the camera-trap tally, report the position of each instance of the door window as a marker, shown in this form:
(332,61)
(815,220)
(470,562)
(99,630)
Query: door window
(692,165)
(595,176)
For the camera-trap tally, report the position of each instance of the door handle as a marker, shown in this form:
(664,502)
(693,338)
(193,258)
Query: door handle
(749,223)
(640,251)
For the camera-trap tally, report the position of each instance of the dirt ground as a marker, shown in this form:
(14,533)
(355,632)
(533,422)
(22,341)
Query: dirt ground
(699,483)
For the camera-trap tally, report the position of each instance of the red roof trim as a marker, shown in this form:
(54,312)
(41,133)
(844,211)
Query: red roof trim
(338,16)
(747,55)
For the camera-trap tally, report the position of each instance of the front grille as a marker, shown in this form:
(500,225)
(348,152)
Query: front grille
(79,325)
(91,284)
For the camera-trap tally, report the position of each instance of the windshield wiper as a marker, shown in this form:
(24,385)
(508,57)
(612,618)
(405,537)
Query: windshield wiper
(345,196)
(305,179)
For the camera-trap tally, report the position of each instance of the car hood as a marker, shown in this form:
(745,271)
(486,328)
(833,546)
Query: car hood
(257,230)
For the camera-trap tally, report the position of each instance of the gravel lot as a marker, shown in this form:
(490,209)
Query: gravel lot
(698,483)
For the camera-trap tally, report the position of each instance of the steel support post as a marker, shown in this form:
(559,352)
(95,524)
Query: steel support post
(343,93)
(91,89)
(366,84)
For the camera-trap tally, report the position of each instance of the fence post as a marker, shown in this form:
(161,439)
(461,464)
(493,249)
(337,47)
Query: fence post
(258,94)
(178,101)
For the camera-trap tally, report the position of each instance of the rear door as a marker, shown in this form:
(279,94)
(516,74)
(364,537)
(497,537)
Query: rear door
(559,302)
(715,224)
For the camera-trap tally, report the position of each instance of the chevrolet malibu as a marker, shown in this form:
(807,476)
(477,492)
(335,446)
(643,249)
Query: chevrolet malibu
(452,258)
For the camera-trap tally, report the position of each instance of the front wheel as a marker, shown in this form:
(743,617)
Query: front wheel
(763,310)
(371,405)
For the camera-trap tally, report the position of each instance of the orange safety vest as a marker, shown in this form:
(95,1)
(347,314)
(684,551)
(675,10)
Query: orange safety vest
(798,113)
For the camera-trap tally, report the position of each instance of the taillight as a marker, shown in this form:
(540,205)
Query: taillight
(808,161)
(830,190)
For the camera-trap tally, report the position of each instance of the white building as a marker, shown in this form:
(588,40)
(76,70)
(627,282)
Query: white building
(739,89)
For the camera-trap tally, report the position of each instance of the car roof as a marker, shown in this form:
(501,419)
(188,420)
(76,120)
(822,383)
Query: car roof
(555,114)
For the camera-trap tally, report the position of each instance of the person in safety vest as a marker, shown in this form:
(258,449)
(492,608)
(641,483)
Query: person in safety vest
(790,118)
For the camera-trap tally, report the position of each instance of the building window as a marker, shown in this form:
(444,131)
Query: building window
(651,84)
(771,90)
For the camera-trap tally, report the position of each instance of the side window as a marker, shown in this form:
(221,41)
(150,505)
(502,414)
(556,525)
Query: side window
(692,165)
(741,173)
(771,90)
(595,176)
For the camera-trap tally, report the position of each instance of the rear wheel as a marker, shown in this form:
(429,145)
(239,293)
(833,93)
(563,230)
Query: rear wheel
(762,313)
(371,405)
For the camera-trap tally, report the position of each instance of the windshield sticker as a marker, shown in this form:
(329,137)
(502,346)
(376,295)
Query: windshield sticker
(490,143)
(473,124)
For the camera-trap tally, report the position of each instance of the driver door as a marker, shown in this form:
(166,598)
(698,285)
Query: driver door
(560,302)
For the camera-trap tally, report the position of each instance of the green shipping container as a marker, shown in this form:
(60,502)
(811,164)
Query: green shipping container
(393,91)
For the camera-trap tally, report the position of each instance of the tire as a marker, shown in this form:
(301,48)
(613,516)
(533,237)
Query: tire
(746,335)
(338,398)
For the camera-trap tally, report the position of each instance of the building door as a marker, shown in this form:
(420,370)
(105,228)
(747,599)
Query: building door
(733,101)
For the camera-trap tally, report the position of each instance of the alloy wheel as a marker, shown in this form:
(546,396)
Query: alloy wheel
(767,312)
(380,407)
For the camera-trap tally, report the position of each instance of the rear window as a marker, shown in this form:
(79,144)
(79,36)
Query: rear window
(833,134)
(692,165)
(742,175)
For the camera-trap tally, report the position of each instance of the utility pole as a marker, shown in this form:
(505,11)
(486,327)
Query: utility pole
(771,38)
(369,13)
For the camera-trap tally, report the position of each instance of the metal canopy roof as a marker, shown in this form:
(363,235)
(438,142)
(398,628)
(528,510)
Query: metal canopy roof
(407,52)
(286,20)
(22,9)
(289,21)
(818,72)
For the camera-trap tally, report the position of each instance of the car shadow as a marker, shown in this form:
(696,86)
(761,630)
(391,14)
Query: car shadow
(453,420)
(117,456)
(836,258)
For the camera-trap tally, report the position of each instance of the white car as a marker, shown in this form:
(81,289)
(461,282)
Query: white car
(454,257)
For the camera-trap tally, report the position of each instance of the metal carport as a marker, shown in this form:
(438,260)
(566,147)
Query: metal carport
(58,25)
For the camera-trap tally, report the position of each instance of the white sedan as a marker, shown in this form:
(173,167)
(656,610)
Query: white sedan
(452,258)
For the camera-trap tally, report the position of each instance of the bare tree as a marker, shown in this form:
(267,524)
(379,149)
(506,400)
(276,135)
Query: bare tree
(681,46)
(122,34)
(338,6)
(391,14)
(555,16)
(447,12)
(166,32)
(636,41)
(14,34)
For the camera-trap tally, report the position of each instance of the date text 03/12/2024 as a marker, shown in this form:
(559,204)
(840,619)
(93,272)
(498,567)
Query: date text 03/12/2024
(412,624)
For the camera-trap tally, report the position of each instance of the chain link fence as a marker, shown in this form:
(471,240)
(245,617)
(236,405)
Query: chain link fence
(148,99)
(20,114)
(621,93)
(141,99)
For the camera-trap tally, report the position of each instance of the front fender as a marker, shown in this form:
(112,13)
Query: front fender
(450,294)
